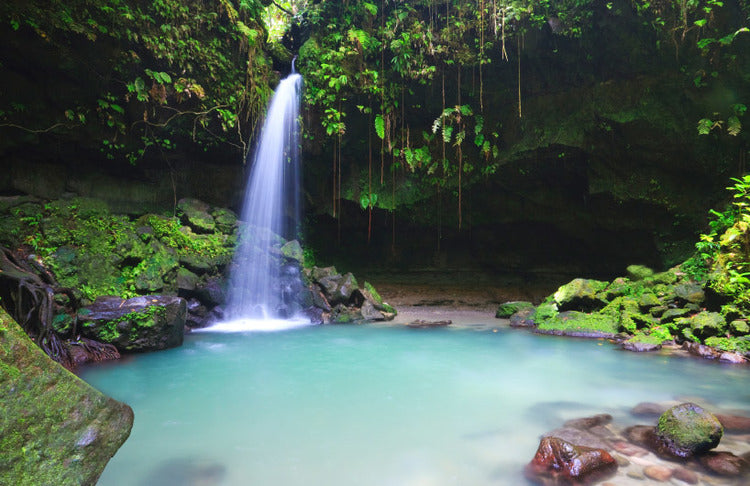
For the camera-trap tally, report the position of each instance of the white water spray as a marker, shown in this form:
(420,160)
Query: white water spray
(271,209)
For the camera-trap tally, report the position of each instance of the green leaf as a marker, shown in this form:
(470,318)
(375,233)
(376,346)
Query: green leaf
(734,127)
(704,126)
(447,133)
(370,8)
(701,22)
(380,126)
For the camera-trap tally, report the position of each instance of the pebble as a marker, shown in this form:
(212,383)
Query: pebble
(685,475)
(629,449)
(658,473)
(636,475)
(621,460)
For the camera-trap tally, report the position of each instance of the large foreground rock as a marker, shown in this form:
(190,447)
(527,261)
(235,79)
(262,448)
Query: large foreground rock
(54,428)
(147,323)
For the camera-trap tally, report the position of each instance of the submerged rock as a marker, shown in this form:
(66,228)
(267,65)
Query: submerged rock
(422,324)
(55,429)
(724,463)
(559,462)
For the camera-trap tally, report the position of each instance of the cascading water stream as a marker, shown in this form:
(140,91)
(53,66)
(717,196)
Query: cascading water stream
(271,209)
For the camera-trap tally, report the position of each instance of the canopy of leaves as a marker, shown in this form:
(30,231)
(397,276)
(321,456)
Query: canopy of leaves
(129,77)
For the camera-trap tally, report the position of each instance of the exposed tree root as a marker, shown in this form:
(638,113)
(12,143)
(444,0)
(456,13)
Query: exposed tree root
(27,292)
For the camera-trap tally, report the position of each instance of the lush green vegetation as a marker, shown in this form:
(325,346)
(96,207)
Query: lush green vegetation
(417,78)
(134,79)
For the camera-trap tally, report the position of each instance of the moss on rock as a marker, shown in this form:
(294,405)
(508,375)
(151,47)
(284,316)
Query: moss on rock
(55,428)
(688,429)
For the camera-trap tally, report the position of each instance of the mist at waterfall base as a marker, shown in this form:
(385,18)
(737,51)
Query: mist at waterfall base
(262,288)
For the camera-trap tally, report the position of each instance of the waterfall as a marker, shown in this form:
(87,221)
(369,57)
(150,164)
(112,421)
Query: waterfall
(270,210)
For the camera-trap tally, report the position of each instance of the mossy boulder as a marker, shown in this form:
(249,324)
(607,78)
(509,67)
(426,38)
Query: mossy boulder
(292,250)
(690,292)
(580,294)
(147,323)
(577,324)
(707,324)
(226,220)
(639,272)
(647,300)
(507,309)
(55,428)
(156,270)
(687,429)
(641,342)
(195,214)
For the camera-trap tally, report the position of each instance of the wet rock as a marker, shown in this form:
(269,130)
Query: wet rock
(578,437)
(316,315)
(212,292)
(724,463)
(589,422)
(146,323)
(55,428)
(730,357)
(507,309)
(562,463)
(687,429)
(737,424)
(657,473)
(522,318)
(580,294)
(700,350)
(319,273)
(292,250)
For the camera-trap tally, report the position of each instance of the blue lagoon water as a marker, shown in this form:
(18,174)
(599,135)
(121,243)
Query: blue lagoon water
(377,405)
